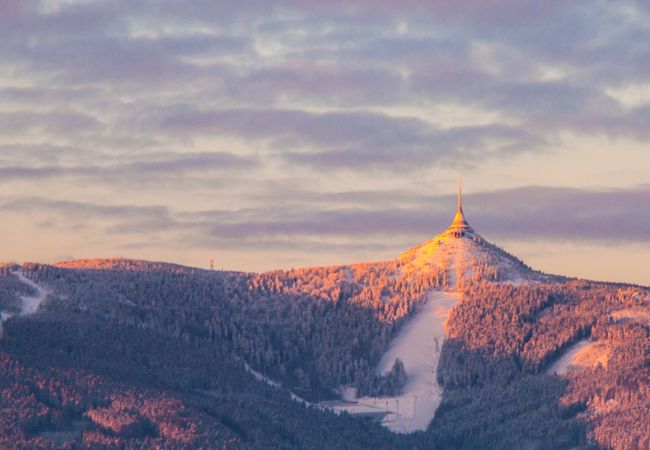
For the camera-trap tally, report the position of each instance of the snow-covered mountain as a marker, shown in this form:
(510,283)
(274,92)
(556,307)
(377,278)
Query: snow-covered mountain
(457,257)
(479,335)
(462,256)
(468,258)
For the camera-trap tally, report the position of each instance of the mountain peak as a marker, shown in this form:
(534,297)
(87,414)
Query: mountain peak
(461,254)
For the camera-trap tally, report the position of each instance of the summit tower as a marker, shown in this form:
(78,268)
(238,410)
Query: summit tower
(459,227)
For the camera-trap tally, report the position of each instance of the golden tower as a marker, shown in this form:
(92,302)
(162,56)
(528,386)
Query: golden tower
(459,227)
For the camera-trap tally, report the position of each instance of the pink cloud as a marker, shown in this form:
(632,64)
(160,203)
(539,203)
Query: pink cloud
(495,9)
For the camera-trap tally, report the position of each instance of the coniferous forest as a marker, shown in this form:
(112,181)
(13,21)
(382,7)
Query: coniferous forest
(130,354)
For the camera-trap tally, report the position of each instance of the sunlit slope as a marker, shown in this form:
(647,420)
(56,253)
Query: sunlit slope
(465,259)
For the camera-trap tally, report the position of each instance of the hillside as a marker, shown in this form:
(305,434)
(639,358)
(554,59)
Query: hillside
(123,353)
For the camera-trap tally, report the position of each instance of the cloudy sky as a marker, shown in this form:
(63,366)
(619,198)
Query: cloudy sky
(275,134)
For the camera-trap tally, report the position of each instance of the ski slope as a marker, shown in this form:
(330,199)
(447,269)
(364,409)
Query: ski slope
(567,360)
(418,345)
(582,354)
(30,304)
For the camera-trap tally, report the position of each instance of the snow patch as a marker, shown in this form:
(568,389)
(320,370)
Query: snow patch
(260,377)
(30,304)
(3,317)
(517,281)
(418,345)
(565,363)
(632,314)
(347,393)
(580,355)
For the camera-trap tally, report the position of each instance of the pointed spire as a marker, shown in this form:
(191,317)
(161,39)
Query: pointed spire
(459,227)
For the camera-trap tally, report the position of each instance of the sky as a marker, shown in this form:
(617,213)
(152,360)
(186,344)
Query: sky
(279,134)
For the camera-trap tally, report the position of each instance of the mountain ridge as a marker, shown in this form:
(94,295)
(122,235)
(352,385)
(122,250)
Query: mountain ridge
(162,331)
(416,257)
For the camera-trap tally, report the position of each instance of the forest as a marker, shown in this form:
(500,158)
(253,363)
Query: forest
(75,381)
(502,340)
(131,354)
(312,329)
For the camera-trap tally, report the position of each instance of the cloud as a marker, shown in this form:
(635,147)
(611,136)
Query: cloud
(61,209)
(59,122)
(564,213)
(268,63)
(154,165)
(236,106)
(353,140)
(38,154)
(498,11)
(616,215)
(334,84)
(529,213)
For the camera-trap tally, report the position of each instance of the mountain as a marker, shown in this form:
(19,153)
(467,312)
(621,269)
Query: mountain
(117,353)
(463,256)
(469,259)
